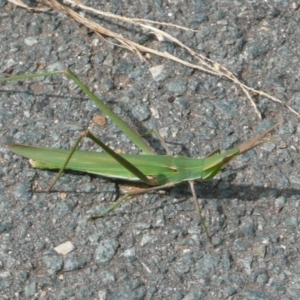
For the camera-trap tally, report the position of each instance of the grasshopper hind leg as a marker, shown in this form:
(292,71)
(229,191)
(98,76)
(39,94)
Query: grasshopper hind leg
(198,209)
(122,161)
(61,170)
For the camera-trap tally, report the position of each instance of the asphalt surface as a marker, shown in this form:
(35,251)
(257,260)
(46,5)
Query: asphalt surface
(153,247)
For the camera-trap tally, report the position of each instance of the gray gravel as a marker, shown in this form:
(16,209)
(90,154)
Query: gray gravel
(153,247)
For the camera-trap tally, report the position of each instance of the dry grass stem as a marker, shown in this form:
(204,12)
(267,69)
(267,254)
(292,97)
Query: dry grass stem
(204,64)
(22,4)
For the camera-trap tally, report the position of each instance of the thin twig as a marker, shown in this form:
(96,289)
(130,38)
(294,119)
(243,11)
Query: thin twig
(205,64)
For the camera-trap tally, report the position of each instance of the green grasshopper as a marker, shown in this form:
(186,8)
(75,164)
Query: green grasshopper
(157,171)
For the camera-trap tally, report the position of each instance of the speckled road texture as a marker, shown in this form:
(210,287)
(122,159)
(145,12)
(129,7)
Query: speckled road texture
(153,247)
